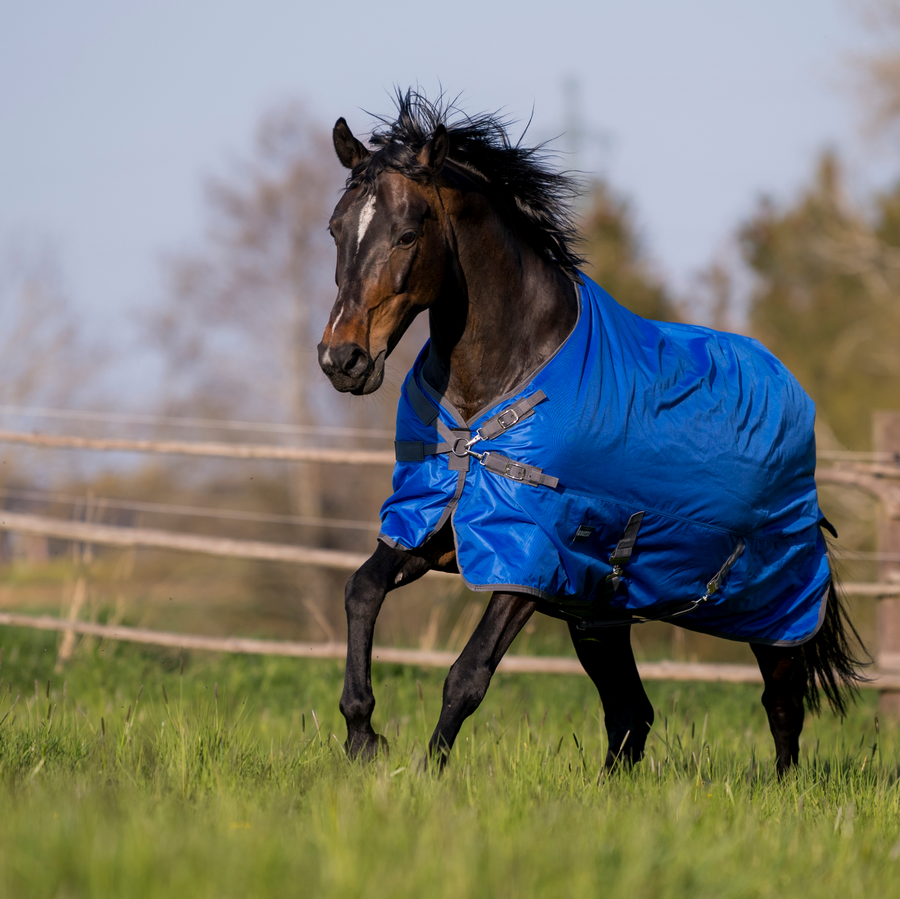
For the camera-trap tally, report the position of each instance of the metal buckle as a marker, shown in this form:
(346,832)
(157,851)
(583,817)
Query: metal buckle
(510,465)
(501,416)
(467,447)
(456,443)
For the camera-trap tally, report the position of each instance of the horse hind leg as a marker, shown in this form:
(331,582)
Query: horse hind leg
(605,654)
(786,681)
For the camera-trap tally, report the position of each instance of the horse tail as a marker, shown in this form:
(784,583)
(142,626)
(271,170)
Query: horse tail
(835,655)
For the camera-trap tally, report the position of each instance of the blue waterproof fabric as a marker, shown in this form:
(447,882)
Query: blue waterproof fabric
(707,433)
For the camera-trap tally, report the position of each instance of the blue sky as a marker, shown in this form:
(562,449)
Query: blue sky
(112,114)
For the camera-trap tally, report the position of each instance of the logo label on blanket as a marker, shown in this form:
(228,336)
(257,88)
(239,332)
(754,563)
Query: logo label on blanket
(584,531)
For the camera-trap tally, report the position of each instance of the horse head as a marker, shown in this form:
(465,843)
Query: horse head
(393,252)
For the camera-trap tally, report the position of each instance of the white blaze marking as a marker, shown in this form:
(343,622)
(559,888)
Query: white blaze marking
(337,319)
(365,219)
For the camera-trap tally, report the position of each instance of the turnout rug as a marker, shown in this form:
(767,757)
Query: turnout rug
(647,470)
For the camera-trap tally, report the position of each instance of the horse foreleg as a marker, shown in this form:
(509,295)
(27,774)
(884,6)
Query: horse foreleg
(605,654)
(469,678)
(385,569)
(785,678)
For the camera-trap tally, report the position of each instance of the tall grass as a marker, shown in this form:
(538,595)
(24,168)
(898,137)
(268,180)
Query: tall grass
(141,775)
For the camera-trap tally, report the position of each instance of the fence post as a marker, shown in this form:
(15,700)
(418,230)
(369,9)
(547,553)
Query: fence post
(886,439)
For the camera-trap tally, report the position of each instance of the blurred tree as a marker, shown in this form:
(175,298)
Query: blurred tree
(239,328)
(827,297)
(45,360)
(877,72)
(616,259)
(41,362)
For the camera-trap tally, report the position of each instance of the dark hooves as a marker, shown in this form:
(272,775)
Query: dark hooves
(367,749)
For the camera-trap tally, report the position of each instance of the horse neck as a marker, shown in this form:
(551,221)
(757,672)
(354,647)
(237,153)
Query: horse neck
(503,313)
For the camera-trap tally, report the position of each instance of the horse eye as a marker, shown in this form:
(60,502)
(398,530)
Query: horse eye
(333,235)
(407,238)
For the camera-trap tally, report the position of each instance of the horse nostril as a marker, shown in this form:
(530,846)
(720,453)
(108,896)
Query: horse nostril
(357,362)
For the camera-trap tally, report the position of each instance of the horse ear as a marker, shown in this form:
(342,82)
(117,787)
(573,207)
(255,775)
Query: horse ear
(433,154)
(349,150)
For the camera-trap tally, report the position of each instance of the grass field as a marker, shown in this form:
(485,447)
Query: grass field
(139,776)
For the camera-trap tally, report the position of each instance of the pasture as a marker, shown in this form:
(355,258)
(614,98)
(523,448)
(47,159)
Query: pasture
(138,773)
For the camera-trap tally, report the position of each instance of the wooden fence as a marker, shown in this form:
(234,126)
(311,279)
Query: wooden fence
(877,474)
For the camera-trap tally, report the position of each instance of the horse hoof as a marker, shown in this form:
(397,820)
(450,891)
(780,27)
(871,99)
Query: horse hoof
(367,749)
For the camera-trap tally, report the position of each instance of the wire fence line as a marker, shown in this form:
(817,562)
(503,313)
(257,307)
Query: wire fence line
(665,671)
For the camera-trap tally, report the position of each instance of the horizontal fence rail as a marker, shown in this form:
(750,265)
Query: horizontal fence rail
(223,424)
(110,535)
(218,424)
(665,671)
(102,503)
(860,475)
(197,448)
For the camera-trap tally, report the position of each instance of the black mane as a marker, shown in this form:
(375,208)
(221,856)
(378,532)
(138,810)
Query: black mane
(534,198)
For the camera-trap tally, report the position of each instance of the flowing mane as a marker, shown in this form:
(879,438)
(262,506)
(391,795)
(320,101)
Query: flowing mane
(534,198)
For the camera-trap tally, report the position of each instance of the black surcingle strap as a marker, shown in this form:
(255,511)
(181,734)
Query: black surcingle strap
(622,553)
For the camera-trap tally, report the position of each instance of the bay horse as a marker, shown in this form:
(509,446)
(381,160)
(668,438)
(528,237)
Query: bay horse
(445,214)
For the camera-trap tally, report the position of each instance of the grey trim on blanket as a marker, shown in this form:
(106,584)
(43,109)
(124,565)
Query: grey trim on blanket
(393,544)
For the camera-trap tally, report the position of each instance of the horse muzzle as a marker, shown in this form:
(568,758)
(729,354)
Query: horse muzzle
(351,369)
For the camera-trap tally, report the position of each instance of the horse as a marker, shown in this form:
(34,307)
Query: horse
(444,214)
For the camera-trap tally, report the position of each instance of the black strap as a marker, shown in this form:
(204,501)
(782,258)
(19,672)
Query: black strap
(518,411)
(622,553)
(518,471)
(422,406)
(416,451)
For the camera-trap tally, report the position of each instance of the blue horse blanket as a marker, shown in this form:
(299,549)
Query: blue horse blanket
(647,470)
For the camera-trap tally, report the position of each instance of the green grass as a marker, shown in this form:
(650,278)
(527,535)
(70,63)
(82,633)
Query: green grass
(227,784)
